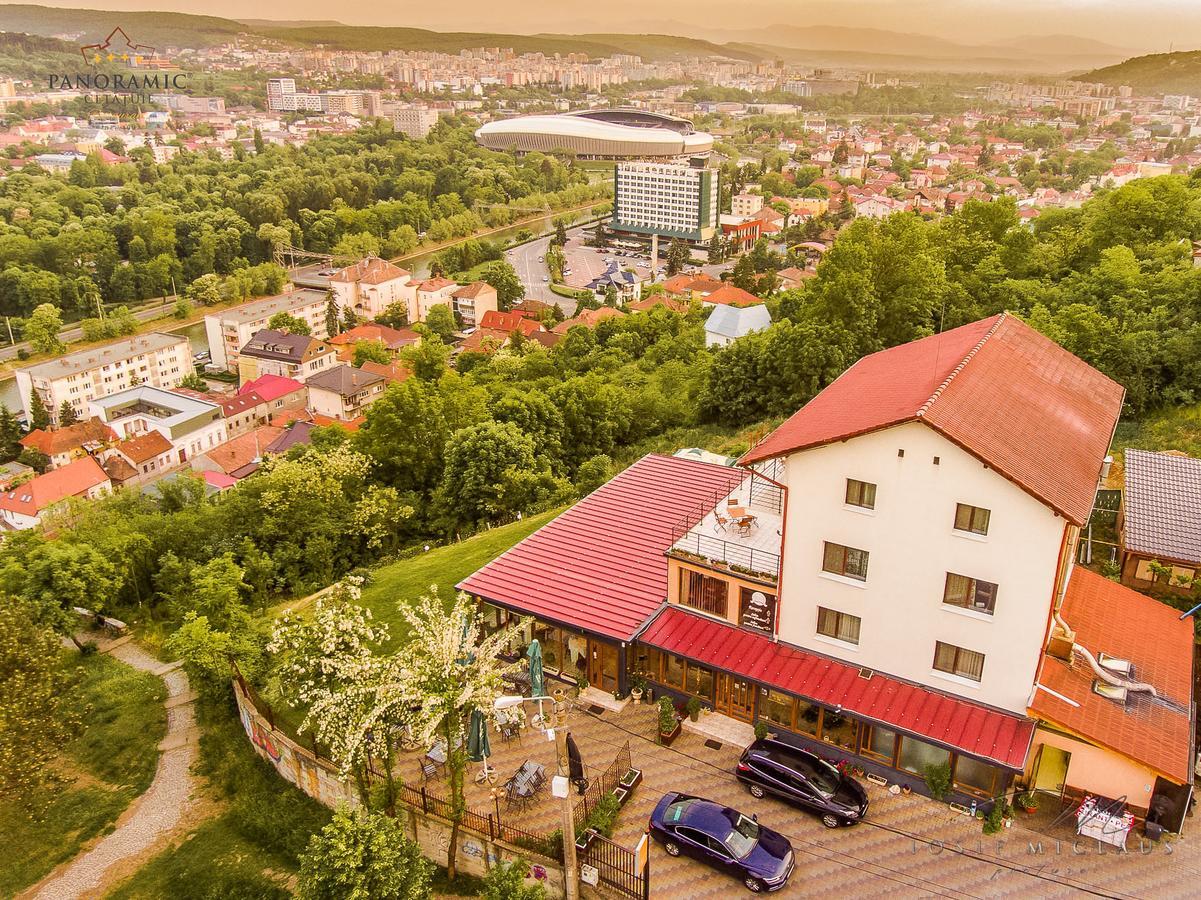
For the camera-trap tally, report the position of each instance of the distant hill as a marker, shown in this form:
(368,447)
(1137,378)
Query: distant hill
(1159,73)
(159,29)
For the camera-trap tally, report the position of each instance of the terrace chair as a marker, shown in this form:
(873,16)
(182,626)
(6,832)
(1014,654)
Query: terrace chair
(720,522)
(745,524)
(429,771)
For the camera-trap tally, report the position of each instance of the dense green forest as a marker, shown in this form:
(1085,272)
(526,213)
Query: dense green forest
(130,231)
(1157,73)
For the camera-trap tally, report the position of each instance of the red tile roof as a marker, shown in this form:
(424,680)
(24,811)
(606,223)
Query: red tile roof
(392,338)
(71,480)
(1154,732)
(728,295)
(371,270)
(600,565)
(509,321)
(978,730)
(244,449)
(71,437)
(145,447)
(1000,390)
(271,387)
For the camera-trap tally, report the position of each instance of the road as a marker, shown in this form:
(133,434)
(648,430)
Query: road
(75,333)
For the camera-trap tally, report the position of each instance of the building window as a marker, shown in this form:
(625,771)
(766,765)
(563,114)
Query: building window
(846,561)
(971,518)
(703,592)
(838,625)
(861,493)
(880,743)
(974,777)
(917,755)
(673,671)
(776,707)
(958,661)
(808,718)
(839,729)
(970,593)
(699,681)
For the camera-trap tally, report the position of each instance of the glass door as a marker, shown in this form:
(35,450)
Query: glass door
(735,697)
(602,666)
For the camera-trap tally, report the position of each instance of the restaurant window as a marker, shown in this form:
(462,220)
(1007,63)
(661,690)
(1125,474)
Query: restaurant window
(575,654)
(673,671)
(975,777)
(958,661)
(971,518)
(808,718)
(703,592)
(550,640)
(839,729)
(494,618)
(880,743)
(861,493)
(649,662)
(838,625)
(757,609)
(846,561)
(917,755)
(698,680)
(775,707)
(970,593)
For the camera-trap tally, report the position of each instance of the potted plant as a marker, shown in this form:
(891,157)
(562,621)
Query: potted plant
(693,706)
(581,682)
(585,839)
(1027,801)
(669,725)
(631,779)
(637,686)
(760,730)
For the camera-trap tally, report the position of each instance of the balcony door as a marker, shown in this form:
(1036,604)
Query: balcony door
(602,665)
(735,697)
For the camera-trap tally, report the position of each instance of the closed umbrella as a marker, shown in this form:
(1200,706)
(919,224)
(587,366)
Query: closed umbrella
(478,746)
(537,682)
(575,765)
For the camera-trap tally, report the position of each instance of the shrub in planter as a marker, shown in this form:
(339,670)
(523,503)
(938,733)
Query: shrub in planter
(995,820)
(760,730)
(631,779)
(1027,801)
(693,706)
(622,794)
(938,780)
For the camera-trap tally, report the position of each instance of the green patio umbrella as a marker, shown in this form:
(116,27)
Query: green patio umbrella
(537,683)
(478,746)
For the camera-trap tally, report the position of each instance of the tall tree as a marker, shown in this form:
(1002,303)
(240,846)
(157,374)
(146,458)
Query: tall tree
(10,435)
(678,256)
(42,328)
(440,322)
(333,323)
(39,416)
(364,855)
(289,324)
(67,415)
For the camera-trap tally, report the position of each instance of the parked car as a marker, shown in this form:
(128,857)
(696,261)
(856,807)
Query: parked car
(546,278)
(803,779)
(723,838)
(325,273)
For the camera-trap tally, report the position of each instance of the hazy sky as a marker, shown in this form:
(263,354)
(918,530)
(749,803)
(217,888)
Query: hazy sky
(1147,25)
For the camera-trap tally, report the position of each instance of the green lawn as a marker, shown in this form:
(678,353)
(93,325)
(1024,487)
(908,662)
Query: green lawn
(110,763)
(1174,428)
(408,579)
(250,850)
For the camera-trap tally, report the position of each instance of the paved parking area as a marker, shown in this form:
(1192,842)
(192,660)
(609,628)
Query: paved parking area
(909,847)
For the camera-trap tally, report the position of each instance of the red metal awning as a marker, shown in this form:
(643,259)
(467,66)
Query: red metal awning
(979,731)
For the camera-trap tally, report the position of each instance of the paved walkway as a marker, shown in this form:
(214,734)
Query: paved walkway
(910,847)
(154,815)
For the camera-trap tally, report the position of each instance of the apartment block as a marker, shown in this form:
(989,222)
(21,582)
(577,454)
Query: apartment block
(229,330)
(666,200)
(155,358)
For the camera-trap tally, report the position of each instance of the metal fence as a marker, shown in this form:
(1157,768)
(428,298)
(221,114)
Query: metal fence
(750,560)
(619,869)
(605,783)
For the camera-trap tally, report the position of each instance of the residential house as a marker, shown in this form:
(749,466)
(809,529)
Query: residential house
(280,394)
(393,339)
(472,302)
(509,322)
(229,330)
(1159,522)
(61,445)
(792,278)
(371,285)
(24,505)
(430,293)
(189,424)
(344,392)
(589,318)
(813,589)
(238,458)
(295,356)
(13,472)
(729,295)
(154,358)
(139,459)
(728,323)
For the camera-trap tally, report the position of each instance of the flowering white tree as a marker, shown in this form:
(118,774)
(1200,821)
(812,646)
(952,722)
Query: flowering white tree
(447,669)
(328,663)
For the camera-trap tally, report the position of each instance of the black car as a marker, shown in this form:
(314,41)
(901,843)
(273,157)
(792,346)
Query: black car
(724,838)
(803,779)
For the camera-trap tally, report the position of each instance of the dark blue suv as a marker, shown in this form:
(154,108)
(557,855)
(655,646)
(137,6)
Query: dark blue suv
(724,838)
(803,779)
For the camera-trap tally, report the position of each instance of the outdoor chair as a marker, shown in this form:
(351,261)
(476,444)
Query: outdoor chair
(429,771)
(745,524)
(720,522)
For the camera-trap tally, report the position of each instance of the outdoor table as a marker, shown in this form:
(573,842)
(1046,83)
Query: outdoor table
(1105,820)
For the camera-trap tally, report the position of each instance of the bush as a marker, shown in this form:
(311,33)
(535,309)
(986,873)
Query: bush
(603,816)
(760,730)
(667,715)
(506,881)
(995,820)
(938,780)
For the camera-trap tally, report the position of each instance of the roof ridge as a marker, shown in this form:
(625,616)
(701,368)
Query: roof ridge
(938,391)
